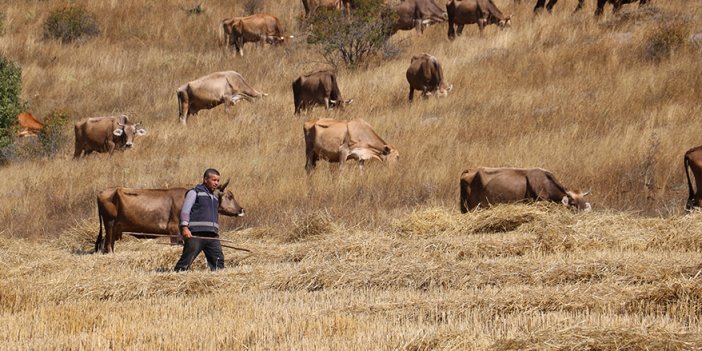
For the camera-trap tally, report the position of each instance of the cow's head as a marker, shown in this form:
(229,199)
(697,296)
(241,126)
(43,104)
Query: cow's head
(576,200)
(390,155)
(128,131)
(340,103)
(227,203)
(505,23)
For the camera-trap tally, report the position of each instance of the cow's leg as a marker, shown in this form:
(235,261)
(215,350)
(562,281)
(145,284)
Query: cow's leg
(481,24)
(78,151)
(600,7)
(411,94)
(110,146)
(107,244)
(617,6)
(460,29)
(539,6)
(581,3)
(183,106)
(550,5)
(241,46)
(326,103)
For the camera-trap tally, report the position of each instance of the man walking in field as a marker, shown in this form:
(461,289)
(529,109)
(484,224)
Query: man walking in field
(199,219)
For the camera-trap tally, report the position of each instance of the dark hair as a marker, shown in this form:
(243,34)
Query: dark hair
(210,172)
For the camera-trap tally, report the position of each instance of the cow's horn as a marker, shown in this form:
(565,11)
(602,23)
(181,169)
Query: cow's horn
(588,192)
(224,186)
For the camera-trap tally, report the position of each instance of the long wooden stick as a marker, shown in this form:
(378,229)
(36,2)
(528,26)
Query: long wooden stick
(223,245)
(195,237)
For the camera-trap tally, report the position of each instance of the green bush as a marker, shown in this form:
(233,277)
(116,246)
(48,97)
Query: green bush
(351,39)
(10,103)
(70,24)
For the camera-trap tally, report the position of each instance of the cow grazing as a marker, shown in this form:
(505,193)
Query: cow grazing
(417,14)
(261,28)
(339,141)
(105,134)
(318,88)
(482,12)
(227,87)
(311,5)
(29,124)
(598,11)
(152,211)
(484,187)
(425,74)
(692,162)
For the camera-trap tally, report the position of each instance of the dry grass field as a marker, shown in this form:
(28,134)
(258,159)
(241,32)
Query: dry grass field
(379,259)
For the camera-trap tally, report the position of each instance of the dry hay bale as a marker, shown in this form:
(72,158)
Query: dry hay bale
(625,337)
(80,238)
(309,226)
(507,218)
(427,223)
(664,297)
(677,233)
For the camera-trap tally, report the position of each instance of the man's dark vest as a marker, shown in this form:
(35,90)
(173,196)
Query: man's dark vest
(203,215)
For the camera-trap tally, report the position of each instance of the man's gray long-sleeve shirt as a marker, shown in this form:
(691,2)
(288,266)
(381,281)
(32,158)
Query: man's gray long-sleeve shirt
(190,197)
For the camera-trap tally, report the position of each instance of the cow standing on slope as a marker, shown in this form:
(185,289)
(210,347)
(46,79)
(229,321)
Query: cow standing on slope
(598,11)
(339,141)
(227,87)
(105,134)
(417,14)
(485,187)
(482,12)
(318,88)
(261,28)
(425,74)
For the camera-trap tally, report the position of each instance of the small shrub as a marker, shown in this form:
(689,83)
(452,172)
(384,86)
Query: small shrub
(70,24)
(54,135)
(195,10)
(10,103)
(663,41)
(351,39)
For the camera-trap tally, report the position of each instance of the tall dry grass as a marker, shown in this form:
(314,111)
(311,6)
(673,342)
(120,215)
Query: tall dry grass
(379,259)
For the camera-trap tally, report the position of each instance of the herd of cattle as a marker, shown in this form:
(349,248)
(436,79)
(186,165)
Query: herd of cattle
(156,211)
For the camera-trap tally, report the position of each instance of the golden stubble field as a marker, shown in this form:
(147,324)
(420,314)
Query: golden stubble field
(380,259)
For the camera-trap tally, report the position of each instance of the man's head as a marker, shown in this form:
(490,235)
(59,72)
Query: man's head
(211,179)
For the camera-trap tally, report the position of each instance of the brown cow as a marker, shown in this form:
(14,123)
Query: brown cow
(598,11)
(339,141)
(425,74)
(29,124)
(417,14)
(692,162)
(318,88)
(104,134)
(227,87)
(484,187)
(152,211)
(255,28)
(482,12)
(310,5)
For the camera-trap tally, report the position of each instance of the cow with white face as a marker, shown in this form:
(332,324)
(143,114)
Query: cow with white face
(105,134)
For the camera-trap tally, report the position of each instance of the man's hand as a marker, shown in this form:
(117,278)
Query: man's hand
(186,233)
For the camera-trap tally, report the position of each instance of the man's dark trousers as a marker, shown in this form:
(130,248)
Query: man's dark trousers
(192,248)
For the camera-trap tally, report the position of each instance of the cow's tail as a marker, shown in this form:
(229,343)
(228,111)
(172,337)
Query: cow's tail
(691,193)
(463,189)
(296,87)
(99,238)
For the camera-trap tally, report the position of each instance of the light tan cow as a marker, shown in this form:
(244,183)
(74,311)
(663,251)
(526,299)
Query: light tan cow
(260,28)
(226,87)
(484,187)
(425,74)
(29,124)
(482,12)
(339,141)
(311,5)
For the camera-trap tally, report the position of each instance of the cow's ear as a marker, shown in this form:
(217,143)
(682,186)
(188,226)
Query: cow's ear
(141,132)
(566,200)
(117,132)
